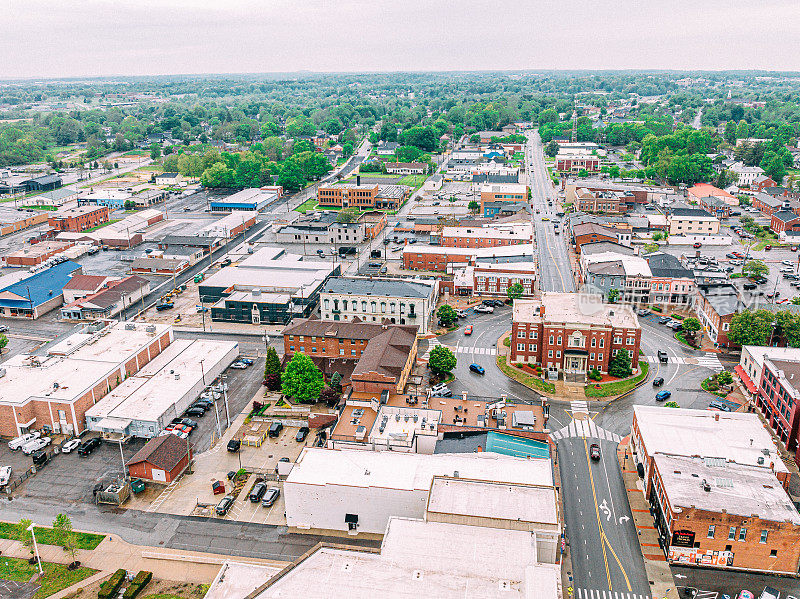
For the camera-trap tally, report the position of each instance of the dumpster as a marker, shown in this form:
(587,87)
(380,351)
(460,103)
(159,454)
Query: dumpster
(137,485)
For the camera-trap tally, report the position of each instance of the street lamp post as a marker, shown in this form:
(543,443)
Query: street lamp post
(225,399)
(36,549)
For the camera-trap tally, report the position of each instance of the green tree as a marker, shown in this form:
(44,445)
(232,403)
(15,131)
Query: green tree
(3,342)
(336,381)
(730,132)
(515,291)
(671,404)
(548,115)
(690,327)
(155,151)
(25,537)
(272,363)
(442,360)
(658,236)
(551,149)
(649,248)
(612,295)
(302,380)
(755,269)
(473,206)
(348,215)
(446,314)
(751,328)
(291,175)
(725,378)
(62,526)
(620,365)
(312,164)
(218,175)
(170,163)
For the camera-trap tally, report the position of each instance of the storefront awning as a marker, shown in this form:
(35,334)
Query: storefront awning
(745,379)
(113,425)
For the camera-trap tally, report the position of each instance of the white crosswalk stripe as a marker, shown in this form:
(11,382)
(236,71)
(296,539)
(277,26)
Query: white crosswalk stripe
(579,407)
(585,429)
(711,362)
(431,344)
(484,351)
(581,593)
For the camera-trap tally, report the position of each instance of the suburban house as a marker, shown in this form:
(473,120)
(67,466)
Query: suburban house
(762,182)
(386,148)
(406,168)
(168,179)
(745,175)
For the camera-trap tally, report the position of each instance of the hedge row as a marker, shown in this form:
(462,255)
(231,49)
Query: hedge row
(137,586)
(110,587)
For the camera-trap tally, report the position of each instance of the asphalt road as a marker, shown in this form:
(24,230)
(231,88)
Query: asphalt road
(555,273)
(604,546)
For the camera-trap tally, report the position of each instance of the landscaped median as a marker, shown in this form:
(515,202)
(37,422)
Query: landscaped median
(618,387)
(48,536)
(529,380)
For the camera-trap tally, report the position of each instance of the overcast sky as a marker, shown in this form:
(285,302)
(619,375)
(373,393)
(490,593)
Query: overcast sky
(60,38)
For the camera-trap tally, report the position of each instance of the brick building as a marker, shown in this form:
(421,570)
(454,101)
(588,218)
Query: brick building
(704,190)
(561,334)
(601,201)
(445,259)
(784,220)
(576,163)
(716,487)
(78,219)
(502,193)
(162,460)
(495,279)
(366,196)
(716,305)
(779,399)
(370,357)
(592,233)
(761,183)
(491,236)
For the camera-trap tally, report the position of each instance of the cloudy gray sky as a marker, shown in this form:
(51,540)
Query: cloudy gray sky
(59,38)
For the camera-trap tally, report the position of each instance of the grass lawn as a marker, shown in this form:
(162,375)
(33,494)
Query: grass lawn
(618,387)
(50,208)
(46,536)
(530,381)
(111,222)
(55,578)
(373,175)
(309,204)
(414,181)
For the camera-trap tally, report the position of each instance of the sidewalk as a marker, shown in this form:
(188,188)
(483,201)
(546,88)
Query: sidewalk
(659,574)
(114,553)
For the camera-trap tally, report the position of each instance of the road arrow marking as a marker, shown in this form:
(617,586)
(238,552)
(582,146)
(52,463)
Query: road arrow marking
(623,519)
(605,509)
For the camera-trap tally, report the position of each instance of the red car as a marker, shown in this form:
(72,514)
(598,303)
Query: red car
(468,329)
(594,451)
(738,254)
(697,244)
(769,247)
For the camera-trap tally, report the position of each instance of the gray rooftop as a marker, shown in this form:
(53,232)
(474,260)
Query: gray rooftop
(378,287)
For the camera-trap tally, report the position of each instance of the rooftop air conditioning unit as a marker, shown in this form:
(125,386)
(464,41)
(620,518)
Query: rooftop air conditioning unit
(151,328)
(130,326)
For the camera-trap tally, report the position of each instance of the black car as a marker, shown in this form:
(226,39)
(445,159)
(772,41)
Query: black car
(39,457)
(301,434)
(275,429)
(89,446)
(206,404)
(224,505)
(234,445)
(165,306)
(257,492)
(760,280)
(749,286)
(658,381)
(195,411)
(488,303)
(186,421)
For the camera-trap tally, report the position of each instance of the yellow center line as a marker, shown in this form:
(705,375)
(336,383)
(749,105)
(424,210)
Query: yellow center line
(603,536)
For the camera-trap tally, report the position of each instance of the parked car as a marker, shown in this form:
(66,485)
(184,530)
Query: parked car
(5,475)
(462,313)
(594,451)
(270,497)
(89,446)
(643,312)
(239,365)
(301,434)
(468,329)
(441,391)
(195,411)
(477,369)
(224,505)
(220,387)
(35,445)
(287,460)
(257,492)
(187,421)
(658,381)
(488,302)
(70,445)
(165,306)
(768,247)
(3,328)
(676,325)
(39,457)
(275,429)
(664,319)
(247,361)
(697,244)
(18,442)
(719,406)
(234,445)
(179,433)
(787,262)
(730,255)
(663,395)
(484,309)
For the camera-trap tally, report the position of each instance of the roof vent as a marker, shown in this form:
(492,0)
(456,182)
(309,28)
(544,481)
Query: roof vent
(455,474)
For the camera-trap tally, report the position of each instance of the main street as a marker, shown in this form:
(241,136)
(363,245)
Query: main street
(555,273)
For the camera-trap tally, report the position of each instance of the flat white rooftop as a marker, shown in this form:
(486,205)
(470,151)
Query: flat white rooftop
(519,231)
(165,380)
(74,365)
(412,471)
(521,249)
(400,423)
(237,579)
(735,488)
(734,436)
(504,501)
(429,559)
(575,308)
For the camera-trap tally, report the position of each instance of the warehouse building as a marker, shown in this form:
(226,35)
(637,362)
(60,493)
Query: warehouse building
(53,391)
(32,295)
(249,200)
(146,401)
(359,491)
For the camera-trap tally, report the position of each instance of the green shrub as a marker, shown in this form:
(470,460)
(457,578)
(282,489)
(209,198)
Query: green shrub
(676,316)
(138,584)
(656,309)
(110,587)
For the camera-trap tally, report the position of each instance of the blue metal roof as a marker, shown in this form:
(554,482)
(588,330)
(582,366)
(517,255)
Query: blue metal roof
(42,286)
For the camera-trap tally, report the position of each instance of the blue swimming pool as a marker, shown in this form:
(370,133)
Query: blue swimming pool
(516,446)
